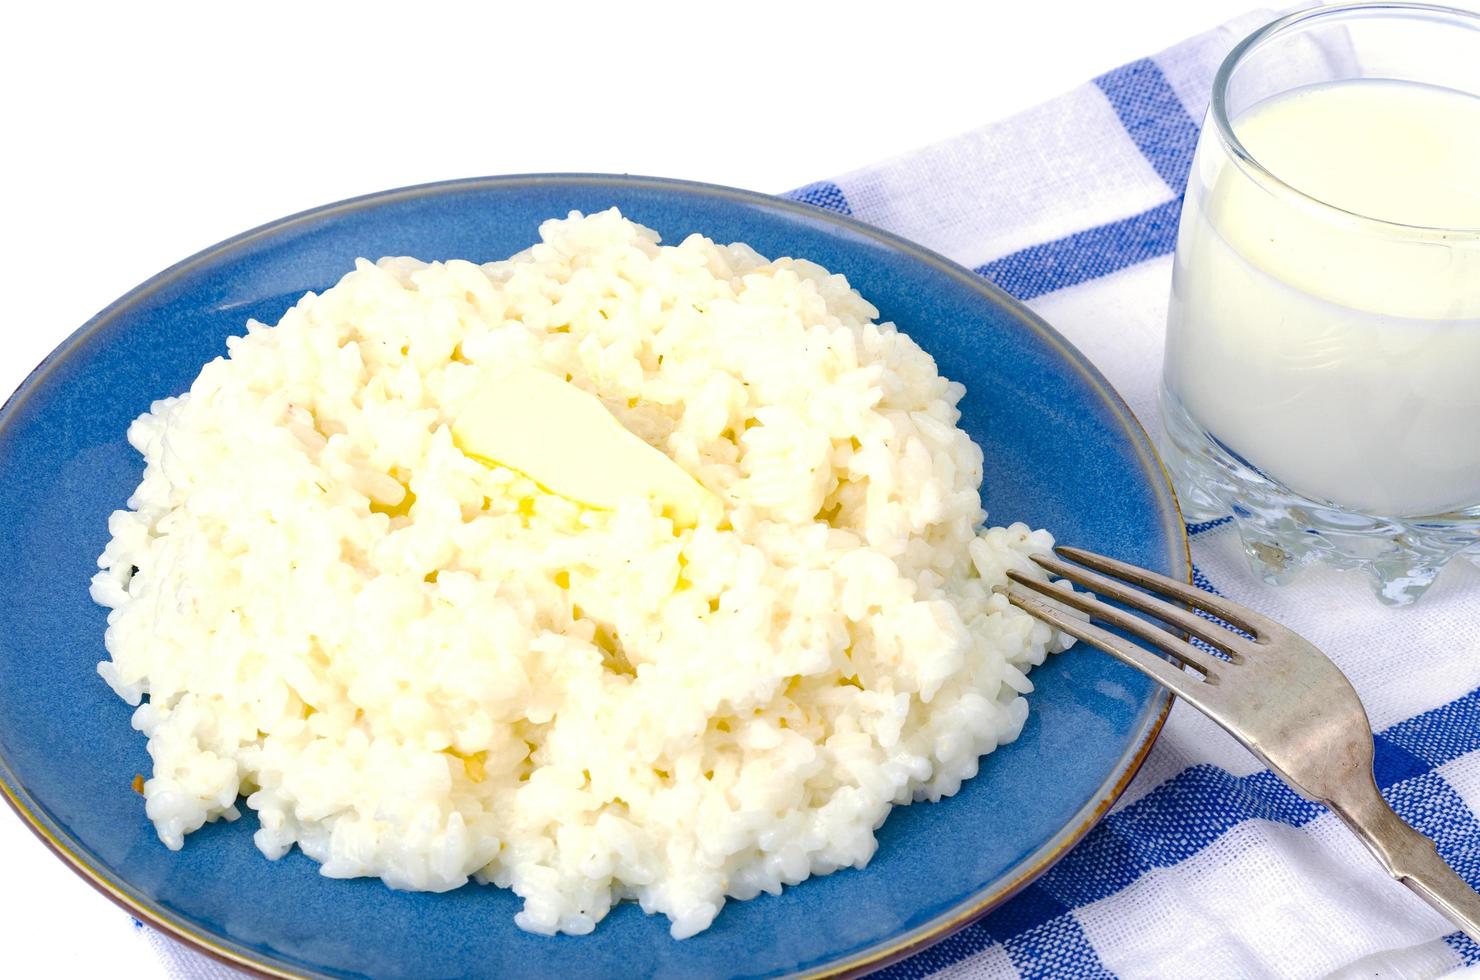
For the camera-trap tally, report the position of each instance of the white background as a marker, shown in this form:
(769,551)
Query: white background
(137,134)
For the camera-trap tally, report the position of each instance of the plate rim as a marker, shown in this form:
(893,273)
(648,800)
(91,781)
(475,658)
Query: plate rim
(1018,877)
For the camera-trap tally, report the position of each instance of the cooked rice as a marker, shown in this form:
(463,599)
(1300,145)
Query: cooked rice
(424,669)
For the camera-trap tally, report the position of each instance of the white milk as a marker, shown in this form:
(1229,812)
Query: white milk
(1339,355)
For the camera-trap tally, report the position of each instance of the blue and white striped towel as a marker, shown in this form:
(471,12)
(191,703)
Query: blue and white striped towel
(1209,866)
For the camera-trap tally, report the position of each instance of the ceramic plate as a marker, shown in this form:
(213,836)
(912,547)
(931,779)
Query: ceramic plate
(1062,452)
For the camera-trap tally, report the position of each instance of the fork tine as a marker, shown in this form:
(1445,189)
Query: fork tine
(1104,612)
(1203,629)
(1162,671)
(1246,619)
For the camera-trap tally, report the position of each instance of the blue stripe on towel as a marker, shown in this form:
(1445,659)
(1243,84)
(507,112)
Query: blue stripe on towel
(1154,117)
(1467,948)
(1087,255)
(1202,528)
(822,194)
(1443,734)
(1037,931)
(1166,135)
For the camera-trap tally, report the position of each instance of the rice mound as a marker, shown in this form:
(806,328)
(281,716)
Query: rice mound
(422,668)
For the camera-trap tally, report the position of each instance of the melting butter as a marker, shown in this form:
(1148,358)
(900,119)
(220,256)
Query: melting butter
(564,439)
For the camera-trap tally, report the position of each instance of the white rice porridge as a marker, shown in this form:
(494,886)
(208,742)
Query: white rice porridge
(419,667)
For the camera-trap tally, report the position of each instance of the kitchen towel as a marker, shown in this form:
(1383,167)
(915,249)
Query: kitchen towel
(1209,866)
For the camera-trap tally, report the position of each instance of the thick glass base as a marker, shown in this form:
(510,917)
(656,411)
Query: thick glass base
(1283,531)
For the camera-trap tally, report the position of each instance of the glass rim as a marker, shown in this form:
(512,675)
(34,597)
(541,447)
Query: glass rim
(1255,170)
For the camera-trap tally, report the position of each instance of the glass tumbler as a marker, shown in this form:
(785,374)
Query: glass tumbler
(1322,373)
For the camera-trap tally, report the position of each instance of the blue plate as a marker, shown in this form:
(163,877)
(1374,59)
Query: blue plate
(1062,451)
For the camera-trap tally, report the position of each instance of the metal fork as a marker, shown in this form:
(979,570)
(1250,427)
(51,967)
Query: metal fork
(1276,693)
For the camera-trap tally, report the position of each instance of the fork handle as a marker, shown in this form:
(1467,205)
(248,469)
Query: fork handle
(1411,858)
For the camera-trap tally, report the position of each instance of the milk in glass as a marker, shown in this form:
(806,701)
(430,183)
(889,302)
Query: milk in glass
(1334,352)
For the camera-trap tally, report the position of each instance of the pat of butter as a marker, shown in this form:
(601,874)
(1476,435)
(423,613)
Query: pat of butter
(564,439)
